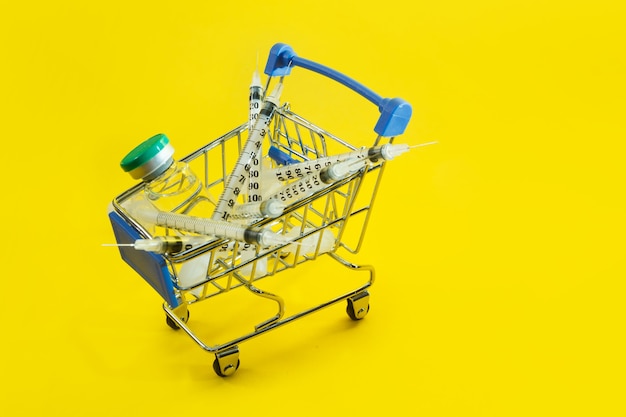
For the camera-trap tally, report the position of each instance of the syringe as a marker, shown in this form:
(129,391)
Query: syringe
(236,182)
(254,174)
(164,244)
(317,181)
(290,193)
(208,227)
(275,178)
(301,169)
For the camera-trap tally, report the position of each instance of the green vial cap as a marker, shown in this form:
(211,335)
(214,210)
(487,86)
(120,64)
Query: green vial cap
(150,158)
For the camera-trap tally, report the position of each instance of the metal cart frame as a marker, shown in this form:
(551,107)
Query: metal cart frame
(343,209)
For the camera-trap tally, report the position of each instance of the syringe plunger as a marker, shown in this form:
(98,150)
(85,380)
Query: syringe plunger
(145,212)
(340,170)
(268,208)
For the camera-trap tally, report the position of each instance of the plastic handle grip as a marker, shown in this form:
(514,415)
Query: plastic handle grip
(395,113)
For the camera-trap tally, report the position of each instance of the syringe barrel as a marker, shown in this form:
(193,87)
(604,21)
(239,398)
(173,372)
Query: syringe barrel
(315,182)
(254,172)
(160,244)
(302,188)
(209,227)
(169,244)
(256,93)
(302,169)
(274,179)
(200,225)
(236,182)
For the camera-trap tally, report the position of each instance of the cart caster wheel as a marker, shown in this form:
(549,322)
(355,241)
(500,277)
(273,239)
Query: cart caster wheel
(358,306)
(229,369)
(173,324)
(357,315)
(226,362)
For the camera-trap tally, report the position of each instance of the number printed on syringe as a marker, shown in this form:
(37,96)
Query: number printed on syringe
(302,169)
(310,177)
(236,182)
(316,181)
(277,176)
(255,100)
(254,174)
(298,190)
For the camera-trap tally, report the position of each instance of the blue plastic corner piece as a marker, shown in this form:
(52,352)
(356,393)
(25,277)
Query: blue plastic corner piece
(394,117)
(150,266)
(278,61)
(280,157)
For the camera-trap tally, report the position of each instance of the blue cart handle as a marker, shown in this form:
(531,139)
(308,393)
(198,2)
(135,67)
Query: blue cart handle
(395,113)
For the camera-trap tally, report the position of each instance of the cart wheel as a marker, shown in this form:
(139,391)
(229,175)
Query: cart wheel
(173,324)
(354,315)
(358,306)
(228,371)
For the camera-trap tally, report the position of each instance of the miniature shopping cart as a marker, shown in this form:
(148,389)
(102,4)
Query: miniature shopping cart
(340,212)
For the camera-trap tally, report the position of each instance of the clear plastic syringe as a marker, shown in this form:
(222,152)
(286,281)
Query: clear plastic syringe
(317,181)
(290,193)
(239,176)
(208,227)
(254,174)
(274,179)
(301,169)
(165,244)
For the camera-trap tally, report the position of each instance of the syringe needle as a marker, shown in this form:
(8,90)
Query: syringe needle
(118,244)
(419,145)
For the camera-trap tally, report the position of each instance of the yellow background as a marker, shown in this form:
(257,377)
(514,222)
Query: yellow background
(499,251)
